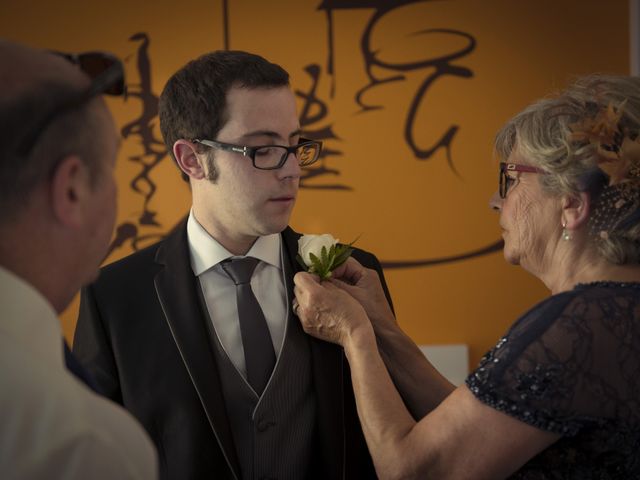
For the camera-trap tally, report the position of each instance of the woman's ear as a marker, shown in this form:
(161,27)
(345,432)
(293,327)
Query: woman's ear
(575,210)
(187,158)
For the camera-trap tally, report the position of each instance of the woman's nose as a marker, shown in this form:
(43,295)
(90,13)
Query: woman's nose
(495,202)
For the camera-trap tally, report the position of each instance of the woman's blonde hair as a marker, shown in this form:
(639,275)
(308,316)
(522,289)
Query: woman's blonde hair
(545,134)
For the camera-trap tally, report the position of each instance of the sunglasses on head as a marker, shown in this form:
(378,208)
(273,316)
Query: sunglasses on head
(104,69)
(107,77)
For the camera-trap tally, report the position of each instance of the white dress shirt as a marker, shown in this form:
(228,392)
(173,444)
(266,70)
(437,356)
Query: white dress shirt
(219,291)
(52,426)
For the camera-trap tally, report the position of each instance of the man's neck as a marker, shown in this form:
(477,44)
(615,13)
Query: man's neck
(235,243)
(239,246)
(31,253)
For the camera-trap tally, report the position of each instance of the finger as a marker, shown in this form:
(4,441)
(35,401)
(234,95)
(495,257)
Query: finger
(350,271)
(300,296)
(304,289)
(305,280)
(347,287)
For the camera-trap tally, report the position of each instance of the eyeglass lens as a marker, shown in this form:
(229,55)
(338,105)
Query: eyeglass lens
(506,182)
(275,156)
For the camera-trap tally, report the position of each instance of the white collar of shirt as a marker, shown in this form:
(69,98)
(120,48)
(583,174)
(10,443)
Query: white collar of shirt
(219,291)
(206,251)
(28,318)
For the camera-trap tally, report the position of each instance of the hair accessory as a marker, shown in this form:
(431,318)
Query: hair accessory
(614,204)
(618,156)
(618,148)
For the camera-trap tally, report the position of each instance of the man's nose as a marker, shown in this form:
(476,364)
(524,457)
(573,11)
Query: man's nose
(291,167)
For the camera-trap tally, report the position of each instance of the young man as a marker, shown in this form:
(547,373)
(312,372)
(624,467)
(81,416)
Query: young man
(58,147)
(215,366)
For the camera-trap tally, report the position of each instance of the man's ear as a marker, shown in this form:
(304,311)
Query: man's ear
(575,210)
(69,188)
(187,158)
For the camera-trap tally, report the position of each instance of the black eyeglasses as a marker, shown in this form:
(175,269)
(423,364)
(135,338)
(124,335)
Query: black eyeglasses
(506,182)
(107,77)
(271,157)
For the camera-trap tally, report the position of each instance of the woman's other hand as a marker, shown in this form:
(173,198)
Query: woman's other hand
(364,285)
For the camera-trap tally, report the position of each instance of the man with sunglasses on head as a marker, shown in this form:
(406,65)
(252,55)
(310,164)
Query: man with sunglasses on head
(196,335)
(58,147)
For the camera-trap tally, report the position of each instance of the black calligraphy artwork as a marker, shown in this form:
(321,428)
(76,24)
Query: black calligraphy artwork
(314,111)
(153,152)
(438,68)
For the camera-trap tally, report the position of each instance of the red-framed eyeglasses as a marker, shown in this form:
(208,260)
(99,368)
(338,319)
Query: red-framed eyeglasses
(506,182)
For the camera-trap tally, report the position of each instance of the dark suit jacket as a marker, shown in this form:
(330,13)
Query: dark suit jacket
(142,334)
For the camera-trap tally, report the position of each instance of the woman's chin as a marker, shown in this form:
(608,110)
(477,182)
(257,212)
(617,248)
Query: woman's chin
(510,256)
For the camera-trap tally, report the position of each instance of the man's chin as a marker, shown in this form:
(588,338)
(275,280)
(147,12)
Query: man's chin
(276,225)
(275,228)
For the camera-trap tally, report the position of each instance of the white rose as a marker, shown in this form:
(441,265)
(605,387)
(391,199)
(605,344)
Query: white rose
(313,244)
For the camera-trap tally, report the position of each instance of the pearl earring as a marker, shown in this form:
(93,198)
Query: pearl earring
(566,236)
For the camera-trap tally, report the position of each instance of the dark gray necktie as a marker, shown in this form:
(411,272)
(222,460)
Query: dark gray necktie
(256,340)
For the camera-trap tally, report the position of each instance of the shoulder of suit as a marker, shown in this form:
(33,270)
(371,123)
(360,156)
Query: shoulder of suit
(174,239)
(142,256)
(364,257)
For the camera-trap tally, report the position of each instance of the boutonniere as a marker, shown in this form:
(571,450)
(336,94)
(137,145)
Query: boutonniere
(321,254)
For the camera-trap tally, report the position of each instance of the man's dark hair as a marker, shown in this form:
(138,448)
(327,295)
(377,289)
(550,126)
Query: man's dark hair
(74,132)
(193,102)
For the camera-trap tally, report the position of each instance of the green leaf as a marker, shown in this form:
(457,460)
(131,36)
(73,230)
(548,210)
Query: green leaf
(316,264)
(342,256)
(323,256)
(328,259)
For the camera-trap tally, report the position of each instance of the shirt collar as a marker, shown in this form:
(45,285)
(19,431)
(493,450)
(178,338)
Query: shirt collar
(28,319)
(206,251)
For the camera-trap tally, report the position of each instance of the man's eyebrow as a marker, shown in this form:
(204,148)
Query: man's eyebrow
(268,133)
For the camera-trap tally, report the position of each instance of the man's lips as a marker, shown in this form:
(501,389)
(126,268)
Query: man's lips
(283,198)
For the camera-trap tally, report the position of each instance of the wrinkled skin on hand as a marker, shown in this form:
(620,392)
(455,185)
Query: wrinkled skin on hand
(364,285)
(326,311)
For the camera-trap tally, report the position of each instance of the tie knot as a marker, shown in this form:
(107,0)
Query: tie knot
(240,269)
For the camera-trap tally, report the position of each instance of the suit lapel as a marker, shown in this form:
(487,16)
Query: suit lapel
(176,289)
(327,366)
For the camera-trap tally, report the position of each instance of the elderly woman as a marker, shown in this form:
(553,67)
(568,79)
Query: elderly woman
(559,395)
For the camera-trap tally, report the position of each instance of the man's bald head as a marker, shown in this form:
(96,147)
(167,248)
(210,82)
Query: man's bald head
(35,83)
(26,68)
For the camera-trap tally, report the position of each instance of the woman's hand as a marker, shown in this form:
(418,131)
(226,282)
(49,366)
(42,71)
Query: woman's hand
(326,311)
(364,285)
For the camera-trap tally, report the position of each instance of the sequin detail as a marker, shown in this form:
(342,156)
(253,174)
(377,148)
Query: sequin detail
(571,366)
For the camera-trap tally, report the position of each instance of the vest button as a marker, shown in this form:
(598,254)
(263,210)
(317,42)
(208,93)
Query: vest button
(264,425)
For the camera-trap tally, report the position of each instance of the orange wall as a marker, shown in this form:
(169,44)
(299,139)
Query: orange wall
(402,208)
